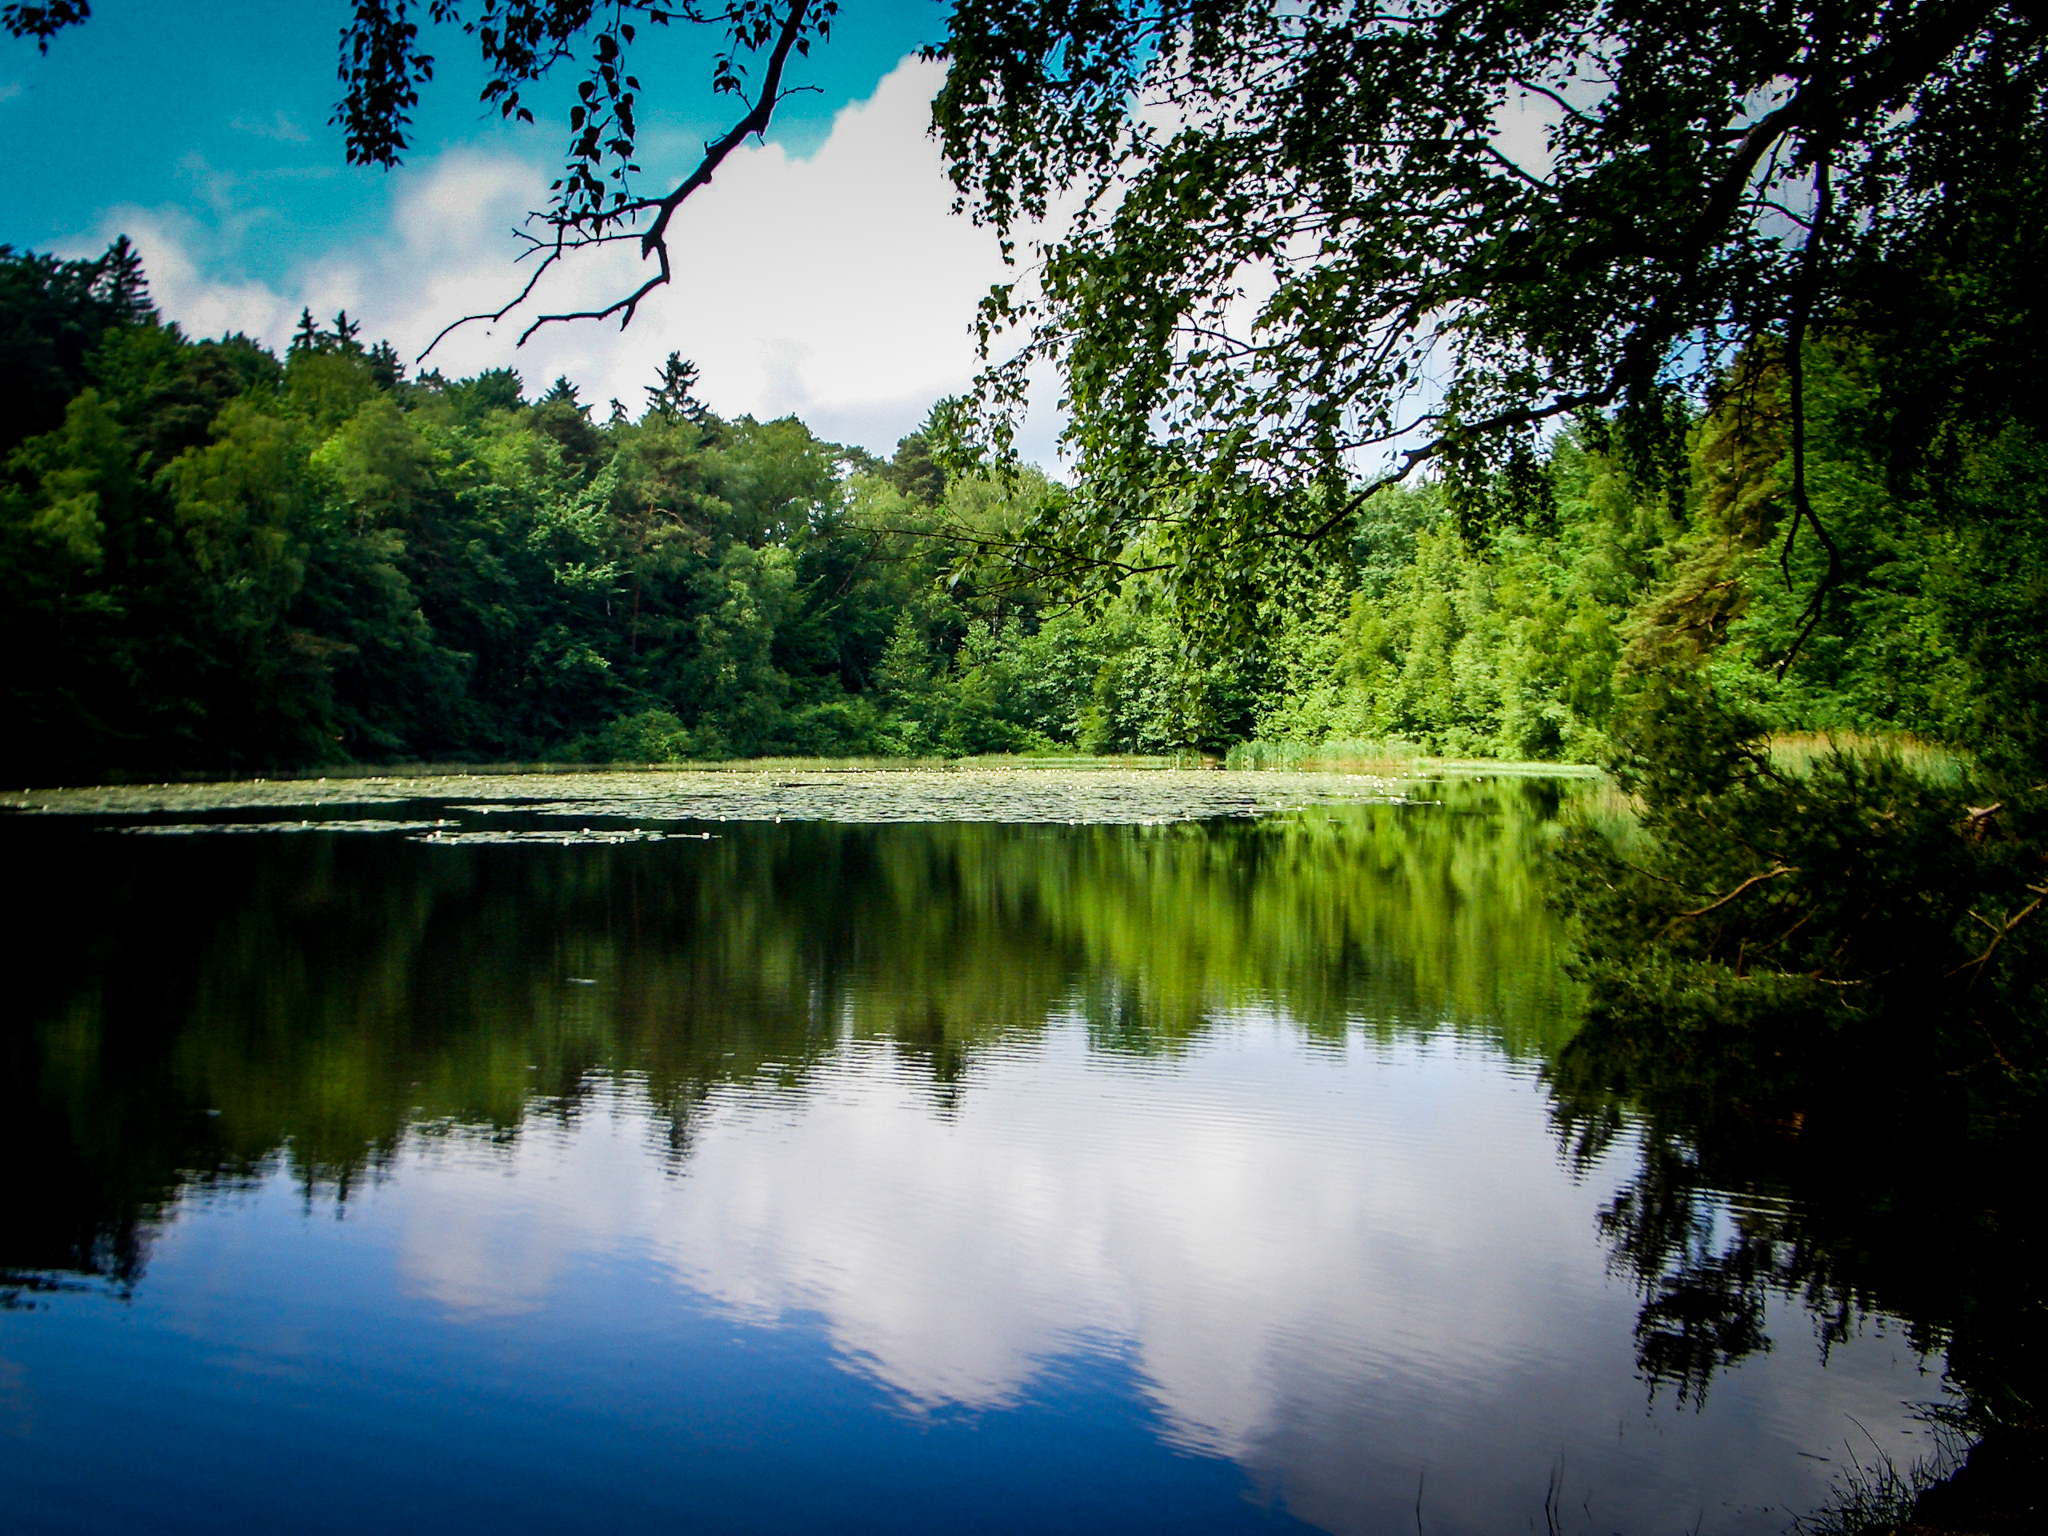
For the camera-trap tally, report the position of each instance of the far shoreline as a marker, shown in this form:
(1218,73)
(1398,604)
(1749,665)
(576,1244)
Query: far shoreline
(1403,766)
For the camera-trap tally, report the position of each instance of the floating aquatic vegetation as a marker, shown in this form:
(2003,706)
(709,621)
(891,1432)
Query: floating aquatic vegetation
(564,839)
(1079,796)
(547,807)
(188,828)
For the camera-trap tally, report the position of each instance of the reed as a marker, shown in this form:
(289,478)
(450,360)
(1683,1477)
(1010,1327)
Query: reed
(1390,755)
(1796,752)
(1872,1495)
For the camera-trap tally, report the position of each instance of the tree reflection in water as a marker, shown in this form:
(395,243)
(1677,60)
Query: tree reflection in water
(1824,1169)
(198,1011)
(195,1009)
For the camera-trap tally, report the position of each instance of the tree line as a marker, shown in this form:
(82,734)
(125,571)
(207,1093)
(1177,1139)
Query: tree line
(220,560)
(224,560)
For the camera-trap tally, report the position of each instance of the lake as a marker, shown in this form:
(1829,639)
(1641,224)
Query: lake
(946,1152)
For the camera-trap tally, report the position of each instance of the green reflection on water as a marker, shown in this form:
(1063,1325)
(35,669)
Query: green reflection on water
(198,1008)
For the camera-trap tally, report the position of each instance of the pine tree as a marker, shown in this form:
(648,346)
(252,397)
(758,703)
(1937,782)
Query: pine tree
(386,366)
(120,284)
(674,397)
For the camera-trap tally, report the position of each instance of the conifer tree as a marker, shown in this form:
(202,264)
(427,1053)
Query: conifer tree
(673,396)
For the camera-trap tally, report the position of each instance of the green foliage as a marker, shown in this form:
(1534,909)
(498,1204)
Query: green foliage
(223,562)
(1852,895)
(1504,648)
(53,315)
(226,562)
(1361,242)
(1865,895)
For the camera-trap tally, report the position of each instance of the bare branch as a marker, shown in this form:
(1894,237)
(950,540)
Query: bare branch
(1750,884)
(1999,932)
(589,227)
(1802,508)
(493,316)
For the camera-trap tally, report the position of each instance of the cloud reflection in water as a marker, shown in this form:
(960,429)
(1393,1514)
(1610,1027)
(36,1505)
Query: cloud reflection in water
(1336,1264)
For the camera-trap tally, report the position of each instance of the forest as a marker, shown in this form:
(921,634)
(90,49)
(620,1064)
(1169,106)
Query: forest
(1606,384)
(221,561)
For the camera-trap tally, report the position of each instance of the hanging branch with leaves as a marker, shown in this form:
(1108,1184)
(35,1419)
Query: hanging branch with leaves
(595,201)
(1308,248)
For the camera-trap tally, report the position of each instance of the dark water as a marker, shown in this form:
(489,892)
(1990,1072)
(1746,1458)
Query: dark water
(947,1177)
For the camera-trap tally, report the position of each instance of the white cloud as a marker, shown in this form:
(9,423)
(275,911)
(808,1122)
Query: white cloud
(1522,129)
(279,126)
(837,287)
(1334,1267)
(177,250)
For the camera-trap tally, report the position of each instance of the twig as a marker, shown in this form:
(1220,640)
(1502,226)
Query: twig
(1714,906)
(1999,933)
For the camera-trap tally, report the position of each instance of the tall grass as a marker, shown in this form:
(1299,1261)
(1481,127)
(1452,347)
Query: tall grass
(1873,1495)
(1796,752)
(1391,755)
(1386,756)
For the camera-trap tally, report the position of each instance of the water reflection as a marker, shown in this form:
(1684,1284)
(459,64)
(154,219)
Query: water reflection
(1771,1165)
(1333,1268)
(192,1008)
(1248,1113)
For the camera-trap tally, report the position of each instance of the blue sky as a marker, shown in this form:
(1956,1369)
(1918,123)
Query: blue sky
(202,129)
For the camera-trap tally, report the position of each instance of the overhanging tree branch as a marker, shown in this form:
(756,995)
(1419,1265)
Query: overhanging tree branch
(576,230)
(1802,507)
(1353,161)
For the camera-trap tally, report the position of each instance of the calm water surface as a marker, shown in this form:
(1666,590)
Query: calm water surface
(566,1157)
